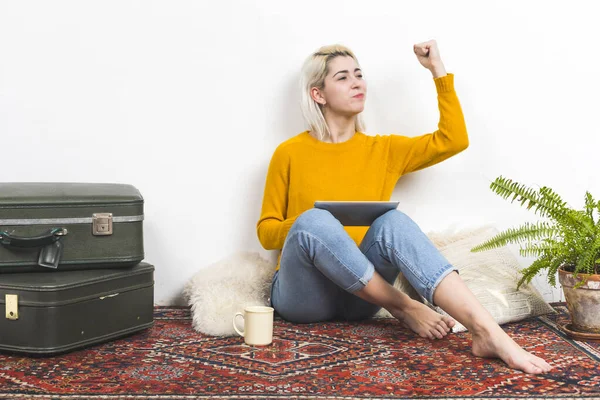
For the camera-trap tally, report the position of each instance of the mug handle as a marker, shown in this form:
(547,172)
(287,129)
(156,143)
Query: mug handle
(235,327)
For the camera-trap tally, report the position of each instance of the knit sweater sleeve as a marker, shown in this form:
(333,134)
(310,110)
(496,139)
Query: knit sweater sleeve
(408,154)
(273,226)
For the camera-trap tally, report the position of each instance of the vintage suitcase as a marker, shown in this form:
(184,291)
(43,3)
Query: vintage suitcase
(55,312)
(69,226)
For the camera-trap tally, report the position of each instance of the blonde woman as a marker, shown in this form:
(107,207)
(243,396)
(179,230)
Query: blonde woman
(328,271)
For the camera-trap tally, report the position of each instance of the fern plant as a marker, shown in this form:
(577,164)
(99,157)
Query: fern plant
(567,239)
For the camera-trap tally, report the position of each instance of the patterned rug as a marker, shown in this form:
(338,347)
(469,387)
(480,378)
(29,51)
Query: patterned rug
(376,359)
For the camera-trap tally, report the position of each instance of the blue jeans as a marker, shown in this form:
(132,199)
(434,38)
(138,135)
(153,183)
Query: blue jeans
(321,266)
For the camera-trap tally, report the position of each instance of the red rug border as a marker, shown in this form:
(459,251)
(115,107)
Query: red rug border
(267,397)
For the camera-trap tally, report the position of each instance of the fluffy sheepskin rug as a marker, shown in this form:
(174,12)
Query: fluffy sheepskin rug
(221,289)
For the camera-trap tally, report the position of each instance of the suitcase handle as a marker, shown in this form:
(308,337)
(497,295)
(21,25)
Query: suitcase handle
(53,235)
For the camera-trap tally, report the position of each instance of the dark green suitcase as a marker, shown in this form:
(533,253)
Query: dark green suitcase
(49,313)
(70,226)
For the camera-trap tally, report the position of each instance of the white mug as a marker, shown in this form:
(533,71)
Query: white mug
(258,325)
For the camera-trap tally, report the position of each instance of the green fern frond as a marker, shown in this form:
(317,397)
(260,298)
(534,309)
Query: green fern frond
(557,209)
(553,268)
(589,205)
(533,270)
(587,258)
(505,187)
(539,250)
(546,201)
(575,219)
(526,232)
(552,200)
(584,218)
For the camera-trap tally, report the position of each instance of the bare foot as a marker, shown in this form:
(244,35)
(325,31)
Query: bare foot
(423,320)
(497,344)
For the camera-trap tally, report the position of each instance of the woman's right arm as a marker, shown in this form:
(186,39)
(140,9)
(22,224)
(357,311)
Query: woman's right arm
(272,227)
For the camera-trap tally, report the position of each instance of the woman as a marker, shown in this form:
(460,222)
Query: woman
(328,271)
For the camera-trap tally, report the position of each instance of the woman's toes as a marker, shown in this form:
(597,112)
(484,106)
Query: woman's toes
(441,330)
(543,365)
(532,365)
(538,369)
(539,362)
(533,370)
(449,321)
(444,326)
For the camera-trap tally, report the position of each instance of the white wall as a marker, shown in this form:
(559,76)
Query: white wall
(188,99)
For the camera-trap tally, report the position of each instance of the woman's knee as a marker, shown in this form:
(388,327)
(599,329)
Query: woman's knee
(312,219)
(394,218)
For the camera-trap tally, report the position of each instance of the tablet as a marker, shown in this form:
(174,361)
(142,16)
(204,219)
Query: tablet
(356,213)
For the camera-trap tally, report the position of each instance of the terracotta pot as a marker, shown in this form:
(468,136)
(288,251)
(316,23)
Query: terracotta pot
(583,302)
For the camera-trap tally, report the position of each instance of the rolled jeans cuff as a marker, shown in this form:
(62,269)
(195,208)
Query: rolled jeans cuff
(438,277)
(362,282)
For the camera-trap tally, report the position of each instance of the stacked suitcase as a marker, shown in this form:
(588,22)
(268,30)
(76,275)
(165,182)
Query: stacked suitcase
(71,269)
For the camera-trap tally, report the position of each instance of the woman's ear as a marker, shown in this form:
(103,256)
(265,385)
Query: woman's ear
(315,93)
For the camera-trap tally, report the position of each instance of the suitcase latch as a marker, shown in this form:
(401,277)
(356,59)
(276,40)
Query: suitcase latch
(12,306)
(102,224)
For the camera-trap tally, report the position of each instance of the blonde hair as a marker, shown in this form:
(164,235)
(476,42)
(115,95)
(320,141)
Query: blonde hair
(313,73)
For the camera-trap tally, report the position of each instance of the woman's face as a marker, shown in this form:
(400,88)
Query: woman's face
(342,84)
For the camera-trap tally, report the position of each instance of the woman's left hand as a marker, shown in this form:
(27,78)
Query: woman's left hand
(429,56)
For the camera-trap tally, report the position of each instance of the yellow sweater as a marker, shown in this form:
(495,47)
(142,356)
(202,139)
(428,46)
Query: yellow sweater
(304,169)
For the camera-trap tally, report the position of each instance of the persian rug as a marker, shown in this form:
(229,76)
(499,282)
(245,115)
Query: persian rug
(377,359)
